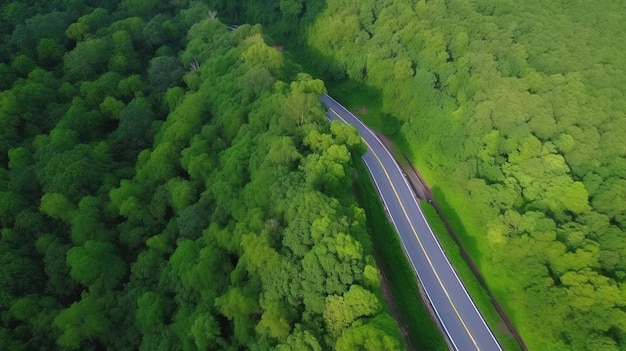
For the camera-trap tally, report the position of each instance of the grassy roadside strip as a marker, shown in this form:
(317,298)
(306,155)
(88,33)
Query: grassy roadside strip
(423,332)
(473,286)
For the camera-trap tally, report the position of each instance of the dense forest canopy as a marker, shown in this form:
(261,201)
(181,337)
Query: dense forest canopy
(515,111)
(168,184)
(196,163)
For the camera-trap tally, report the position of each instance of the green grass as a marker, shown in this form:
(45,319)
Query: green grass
(473,286)
(455,208)
(422,330)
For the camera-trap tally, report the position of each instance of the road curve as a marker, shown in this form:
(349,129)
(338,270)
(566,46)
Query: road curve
(463,325)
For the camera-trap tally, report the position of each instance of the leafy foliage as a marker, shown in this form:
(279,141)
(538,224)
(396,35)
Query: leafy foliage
(163,191)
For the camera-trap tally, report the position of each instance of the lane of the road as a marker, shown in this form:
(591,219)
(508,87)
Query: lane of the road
(462,323)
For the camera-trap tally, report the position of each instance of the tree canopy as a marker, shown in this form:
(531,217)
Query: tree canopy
(166,183)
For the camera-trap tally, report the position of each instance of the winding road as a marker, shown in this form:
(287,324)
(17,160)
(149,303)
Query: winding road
(461,321)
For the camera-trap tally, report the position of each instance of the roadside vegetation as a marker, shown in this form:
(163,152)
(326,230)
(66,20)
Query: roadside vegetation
(414,317)
(472,284)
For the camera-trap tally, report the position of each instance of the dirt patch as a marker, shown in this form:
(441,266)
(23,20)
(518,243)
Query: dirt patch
(503,328)
(361,111)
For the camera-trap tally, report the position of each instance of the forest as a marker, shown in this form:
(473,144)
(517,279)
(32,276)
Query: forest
(514,111)
(196,162)
(169,184)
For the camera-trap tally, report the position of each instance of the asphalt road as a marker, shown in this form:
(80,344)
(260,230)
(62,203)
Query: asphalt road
(462,323)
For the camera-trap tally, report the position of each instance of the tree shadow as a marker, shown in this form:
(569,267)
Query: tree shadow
(467,244)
